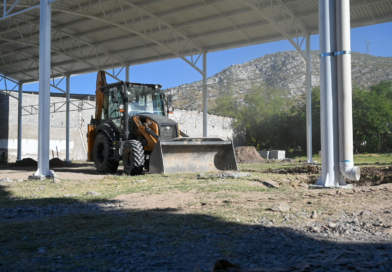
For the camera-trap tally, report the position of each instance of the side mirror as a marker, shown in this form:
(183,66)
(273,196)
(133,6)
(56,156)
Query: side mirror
(169,100)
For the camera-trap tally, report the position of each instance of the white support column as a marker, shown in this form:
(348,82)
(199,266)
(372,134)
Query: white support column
(20,105)
(205,94)
(330,174)
(44,89)
(308,82)
(67,116)
(326,24)
(127,73)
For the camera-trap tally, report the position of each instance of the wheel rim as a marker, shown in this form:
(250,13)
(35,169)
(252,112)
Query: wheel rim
(100,153)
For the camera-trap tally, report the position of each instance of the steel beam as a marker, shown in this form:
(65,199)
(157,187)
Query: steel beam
(127,73)
(129,29)
(44,89)
(20,105)
(205,94)
(267,16)
(8,14)
(308,91)
(67,117)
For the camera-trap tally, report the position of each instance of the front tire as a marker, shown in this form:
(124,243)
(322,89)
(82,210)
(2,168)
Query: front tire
(133,157)
(103,154)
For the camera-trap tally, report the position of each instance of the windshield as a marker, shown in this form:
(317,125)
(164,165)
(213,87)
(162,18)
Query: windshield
(143,99)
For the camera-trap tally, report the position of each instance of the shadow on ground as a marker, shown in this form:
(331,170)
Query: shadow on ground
(99,238)
(64,170)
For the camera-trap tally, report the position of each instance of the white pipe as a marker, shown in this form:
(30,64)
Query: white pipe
(338,180)
(127,73)
(346,155)
(67,117)
(308,82)
(20,105)
(205,94)
(44,89)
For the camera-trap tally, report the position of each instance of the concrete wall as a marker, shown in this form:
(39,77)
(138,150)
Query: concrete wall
(9,128)
(189,121)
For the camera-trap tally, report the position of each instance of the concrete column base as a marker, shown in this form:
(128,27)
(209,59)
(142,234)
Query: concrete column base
(348,186)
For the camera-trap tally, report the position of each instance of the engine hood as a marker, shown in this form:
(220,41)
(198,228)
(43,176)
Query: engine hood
(160,120)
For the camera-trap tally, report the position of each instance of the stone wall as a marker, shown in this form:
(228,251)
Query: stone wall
(189,121)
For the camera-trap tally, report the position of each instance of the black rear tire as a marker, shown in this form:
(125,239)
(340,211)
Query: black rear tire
(103,154)
(133,157)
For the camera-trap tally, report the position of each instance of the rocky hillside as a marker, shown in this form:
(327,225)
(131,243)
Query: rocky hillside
(284,70)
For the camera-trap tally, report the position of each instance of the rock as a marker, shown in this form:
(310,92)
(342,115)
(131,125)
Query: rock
(230,174)
(332,225)
(314,215)
(287,160)
(271,184)
(93,193)
(281,207)
(365,213)
(52,174)
(6,180)
(225,174)
(355,222)
(70,195)
(314,229)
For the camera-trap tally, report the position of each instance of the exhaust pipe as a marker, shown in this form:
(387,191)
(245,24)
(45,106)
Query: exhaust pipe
(343,55)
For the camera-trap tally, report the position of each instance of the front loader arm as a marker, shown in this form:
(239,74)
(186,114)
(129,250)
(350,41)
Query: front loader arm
(151,137)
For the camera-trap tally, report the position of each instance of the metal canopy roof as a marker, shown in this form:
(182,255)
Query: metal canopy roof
(90,35)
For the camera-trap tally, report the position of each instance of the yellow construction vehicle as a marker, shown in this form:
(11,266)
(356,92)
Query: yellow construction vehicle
(131,124)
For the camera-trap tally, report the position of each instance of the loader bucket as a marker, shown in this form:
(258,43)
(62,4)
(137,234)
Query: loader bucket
(192,155)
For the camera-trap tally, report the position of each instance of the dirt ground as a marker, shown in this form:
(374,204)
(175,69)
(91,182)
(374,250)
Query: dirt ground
(265,217)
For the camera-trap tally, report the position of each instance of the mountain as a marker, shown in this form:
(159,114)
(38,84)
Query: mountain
(283,70)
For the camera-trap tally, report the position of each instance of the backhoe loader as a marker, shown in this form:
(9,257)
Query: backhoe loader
(131,124)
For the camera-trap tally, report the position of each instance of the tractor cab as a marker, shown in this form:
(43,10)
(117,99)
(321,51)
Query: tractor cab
(140,99)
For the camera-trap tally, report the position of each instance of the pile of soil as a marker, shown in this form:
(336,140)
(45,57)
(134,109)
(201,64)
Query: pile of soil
(372,176)
(26,162)
(307,169)
(56,162)
(247,154)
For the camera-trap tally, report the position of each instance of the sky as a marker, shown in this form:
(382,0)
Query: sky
(171,73)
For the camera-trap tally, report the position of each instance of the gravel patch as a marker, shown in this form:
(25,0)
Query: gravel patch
(346,244)
(225,174)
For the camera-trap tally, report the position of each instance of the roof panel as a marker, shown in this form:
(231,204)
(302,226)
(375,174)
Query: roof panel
(90,35)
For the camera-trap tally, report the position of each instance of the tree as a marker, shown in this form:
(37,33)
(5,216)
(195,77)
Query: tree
(273,120)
